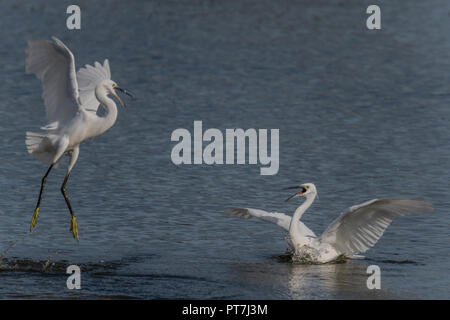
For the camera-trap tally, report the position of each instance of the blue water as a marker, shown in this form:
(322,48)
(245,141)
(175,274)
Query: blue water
(362,114)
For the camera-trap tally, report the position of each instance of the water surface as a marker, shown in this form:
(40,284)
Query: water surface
(362,114)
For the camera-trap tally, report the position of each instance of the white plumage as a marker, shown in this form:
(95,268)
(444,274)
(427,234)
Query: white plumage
(71,101)
(358,228)
(280,219)
(54,65)
(355,231)
(88,78)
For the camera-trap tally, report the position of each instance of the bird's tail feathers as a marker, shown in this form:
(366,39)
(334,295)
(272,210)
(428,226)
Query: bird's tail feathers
(38,145)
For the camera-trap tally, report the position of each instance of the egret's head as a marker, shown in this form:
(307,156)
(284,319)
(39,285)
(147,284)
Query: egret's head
(111,86)
(305,189)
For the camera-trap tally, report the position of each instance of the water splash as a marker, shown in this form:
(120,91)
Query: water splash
(3,256)
(306,258)
(48,261)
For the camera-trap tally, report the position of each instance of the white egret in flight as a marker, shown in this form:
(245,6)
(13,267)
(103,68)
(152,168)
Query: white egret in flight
(355,231)
(71,101)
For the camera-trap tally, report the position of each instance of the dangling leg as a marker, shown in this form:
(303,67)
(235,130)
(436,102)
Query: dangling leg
(36,211)
(60,147)
(73,222)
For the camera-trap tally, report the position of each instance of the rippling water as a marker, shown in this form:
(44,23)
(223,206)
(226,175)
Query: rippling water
(362,114)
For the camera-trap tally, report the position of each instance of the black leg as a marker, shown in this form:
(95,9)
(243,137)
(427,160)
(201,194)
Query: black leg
(63,191)
(73,224)
(36,211)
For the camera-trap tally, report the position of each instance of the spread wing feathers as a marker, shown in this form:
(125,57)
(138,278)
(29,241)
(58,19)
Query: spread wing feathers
(280,219)
(88,78)
(54,65)
(360,227)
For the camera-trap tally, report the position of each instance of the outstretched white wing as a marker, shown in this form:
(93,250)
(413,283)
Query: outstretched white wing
(280,219)
(360,227)
(54,65)
(88,78)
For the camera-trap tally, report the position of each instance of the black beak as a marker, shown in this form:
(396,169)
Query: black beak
(297,193)
(128,93)
(296,187)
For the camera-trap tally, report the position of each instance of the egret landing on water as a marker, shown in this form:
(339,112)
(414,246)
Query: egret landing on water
(71,101)
(355,231)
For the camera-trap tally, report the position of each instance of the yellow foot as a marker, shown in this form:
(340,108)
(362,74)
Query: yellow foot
(74,227)
(34,219)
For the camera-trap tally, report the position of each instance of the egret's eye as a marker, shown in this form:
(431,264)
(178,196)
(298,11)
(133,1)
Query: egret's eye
(306,187)
(114,85)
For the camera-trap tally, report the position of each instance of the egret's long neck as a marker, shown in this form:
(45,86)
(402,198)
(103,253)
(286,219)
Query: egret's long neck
(106,122)
(296,237)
